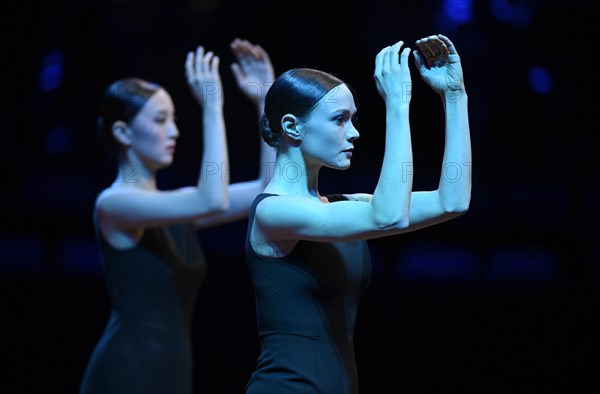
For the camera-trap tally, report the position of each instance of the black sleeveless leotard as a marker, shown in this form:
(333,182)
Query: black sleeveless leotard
(146,345)
(306,306)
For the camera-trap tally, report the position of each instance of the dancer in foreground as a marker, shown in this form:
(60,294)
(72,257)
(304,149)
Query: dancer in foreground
(307,252)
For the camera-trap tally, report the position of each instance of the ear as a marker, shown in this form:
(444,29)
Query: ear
(121,132)
(290,125)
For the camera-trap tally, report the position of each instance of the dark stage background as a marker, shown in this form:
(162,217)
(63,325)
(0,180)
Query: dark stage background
(500,300)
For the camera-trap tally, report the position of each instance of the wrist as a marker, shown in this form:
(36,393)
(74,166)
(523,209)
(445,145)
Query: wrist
(212,105)
(453,92)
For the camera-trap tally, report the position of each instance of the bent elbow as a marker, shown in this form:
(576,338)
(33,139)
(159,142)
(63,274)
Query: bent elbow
(403,223)
(222,206)
(459,208)
(388,223)
(218,203)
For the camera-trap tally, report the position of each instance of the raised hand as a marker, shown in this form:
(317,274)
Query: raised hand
(202,74)
(253,72)
(392,75)
(439,64)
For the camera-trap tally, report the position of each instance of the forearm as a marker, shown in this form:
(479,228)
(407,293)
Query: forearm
(391,199)
(241,195)
(214,170)
(455,179)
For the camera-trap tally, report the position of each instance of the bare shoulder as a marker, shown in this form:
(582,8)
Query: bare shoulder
(282,208)
(120,201)
(108,200)
(279,204)
(103,199)
(110,196)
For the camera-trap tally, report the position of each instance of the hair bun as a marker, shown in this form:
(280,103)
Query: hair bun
(269,136)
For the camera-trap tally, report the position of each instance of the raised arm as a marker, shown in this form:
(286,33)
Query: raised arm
(439,65)
(137,204)
(391,199)
(387,212)
(204,81)
(254,75)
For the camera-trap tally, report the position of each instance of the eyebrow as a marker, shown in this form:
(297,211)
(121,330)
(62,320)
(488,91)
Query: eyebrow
(344,112)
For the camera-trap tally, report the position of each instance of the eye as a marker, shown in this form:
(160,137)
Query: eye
(341,119)
(160,120)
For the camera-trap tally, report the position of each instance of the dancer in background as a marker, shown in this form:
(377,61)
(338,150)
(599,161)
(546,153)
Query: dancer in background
(153,263)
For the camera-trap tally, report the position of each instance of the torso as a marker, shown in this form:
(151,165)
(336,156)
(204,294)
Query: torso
(306,303)
(152,286)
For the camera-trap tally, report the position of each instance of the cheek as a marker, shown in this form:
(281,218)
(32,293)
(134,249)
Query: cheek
(340,136)
(150,138)
(156,134)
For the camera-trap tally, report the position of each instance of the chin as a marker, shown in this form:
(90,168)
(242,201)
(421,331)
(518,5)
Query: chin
(346,164)
(163,164)
(339,166)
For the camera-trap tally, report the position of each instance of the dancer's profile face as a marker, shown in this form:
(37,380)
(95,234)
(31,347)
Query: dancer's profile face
(154,131)
(328,133)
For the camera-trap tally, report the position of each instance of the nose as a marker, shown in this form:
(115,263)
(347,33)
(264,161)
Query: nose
(353,133)
(173,131)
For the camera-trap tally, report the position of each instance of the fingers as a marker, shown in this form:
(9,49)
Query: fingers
(208,63)
(391,70)
(237,72)
(386,57)
(394,56)
(192,67)
(434,46)
(419,61)
(198,60)
(379,60)
(245,53)
(199,63)
(448,44)
(404,59)
(239,48)
(244,48)
(261,53)
(189,69)
(214,64)
(390,56)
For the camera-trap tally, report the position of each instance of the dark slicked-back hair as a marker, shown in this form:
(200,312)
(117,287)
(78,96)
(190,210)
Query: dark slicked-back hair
(295,92)
(122,101)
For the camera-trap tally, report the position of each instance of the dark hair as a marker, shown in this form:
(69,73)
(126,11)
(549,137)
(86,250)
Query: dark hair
(122,100)
(295,92)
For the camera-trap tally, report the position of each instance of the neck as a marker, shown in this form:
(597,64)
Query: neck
(132,173)
(293,175)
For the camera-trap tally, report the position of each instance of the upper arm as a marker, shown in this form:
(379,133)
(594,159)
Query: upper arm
(129,208)
(290,218)
(281,218)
